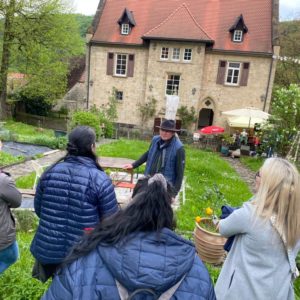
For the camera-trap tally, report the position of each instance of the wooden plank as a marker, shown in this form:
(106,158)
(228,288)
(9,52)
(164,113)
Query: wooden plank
(27,191)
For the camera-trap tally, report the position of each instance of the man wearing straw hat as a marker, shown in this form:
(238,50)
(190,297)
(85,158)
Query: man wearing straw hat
(165,155)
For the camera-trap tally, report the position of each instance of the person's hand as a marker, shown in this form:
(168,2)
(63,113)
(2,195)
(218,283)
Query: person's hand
(128,167)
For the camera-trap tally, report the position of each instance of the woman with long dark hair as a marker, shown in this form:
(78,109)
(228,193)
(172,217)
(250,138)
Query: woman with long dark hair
(72,196)
(136,253)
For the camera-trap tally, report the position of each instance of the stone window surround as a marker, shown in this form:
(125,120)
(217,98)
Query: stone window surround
(176,54)
(235,72)
(125,29)
(238,36)
(172,84)
(164,54)
(187,54)
(119,62)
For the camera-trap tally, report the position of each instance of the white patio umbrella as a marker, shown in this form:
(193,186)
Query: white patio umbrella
(244,122)
(248,113)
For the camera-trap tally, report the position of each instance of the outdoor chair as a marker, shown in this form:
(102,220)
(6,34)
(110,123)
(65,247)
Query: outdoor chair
(38,171)
(181,194)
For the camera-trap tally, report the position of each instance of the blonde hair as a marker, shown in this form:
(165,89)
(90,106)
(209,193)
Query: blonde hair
(279,194)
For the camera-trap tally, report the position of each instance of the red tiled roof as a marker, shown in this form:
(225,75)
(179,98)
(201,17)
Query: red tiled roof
(180,24)
(77,69)
(211,17)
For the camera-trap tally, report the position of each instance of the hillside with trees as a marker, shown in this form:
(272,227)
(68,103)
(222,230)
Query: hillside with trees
(38,38)
(288,72)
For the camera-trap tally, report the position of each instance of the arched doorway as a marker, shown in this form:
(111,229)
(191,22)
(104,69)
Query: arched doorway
(206,117)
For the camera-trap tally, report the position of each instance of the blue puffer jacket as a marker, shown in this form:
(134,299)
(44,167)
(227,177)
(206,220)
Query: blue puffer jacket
(148,260)
(71,196)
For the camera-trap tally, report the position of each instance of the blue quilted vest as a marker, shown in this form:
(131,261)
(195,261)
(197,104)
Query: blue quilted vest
(169,167)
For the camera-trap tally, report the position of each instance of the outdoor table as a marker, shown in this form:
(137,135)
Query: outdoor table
(117,163)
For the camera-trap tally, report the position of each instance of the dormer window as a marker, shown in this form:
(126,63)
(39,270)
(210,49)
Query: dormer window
(238,36)
(125,29)
(126,22)
(238,30)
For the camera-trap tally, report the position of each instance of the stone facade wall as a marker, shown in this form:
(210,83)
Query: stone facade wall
(133,87)
(227,97)
(197,82)
(190,74)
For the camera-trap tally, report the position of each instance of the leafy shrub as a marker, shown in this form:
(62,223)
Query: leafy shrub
(147,110)
(51,142)
(281,128)
(26,220)
(16,282)
(214,199)
(86,118)
(187,116)
(108,129)
(37,105)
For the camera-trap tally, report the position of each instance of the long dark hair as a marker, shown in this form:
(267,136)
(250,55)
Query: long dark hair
(149,211)
(80,141)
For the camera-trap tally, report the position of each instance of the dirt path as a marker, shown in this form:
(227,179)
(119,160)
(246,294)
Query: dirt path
(246,174)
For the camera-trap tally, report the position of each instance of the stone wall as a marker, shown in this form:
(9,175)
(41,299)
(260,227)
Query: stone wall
(197,83)
(227,97)
(133,87)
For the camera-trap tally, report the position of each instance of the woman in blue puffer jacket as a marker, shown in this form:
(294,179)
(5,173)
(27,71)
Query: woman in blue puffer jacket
(135,255)
(72,196)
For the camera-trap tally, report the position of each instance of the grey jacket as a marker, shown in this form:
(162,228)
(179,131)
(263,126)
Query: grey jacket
(10,197)
(257,266)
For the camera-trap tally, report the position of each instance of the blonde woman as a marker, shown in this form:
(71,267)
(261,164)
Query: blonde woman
(261,262)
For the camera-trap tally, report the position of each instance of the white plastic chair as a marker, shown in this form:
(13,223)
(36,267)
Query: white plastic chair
(182,190)
(38,172)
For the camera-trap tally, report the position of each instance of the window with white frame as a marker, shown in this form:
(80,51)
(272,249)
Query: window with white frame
(125,29)
(238,36)
(176,54)
(121,65)
(164,53)
(172,86)
(233,73)
(187,56)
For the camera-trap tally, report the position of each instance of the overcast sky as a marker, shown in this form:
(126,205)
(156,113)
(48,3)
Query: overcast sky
(289,9)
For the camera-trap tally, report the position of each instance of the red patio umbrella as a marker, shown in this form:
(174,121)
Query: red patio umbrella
(211,130)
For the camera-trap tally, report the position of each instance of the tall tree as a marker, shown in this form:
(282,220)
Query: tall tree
(38,38)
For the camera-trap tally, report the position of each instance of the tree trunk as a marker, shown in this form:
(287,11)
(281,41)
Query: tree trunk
(7,40)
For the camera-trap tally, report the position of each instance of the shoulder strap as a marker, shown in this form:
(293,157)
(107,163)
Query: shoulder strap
(289,252)
(164,296)
(170,292)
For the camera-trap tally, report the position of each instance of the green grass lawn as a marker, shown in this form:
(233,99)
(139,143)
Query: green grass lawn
(23,129)
(26,182)
(25,133)
(203,170)
(16,282)
(8,159)
(253,163)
